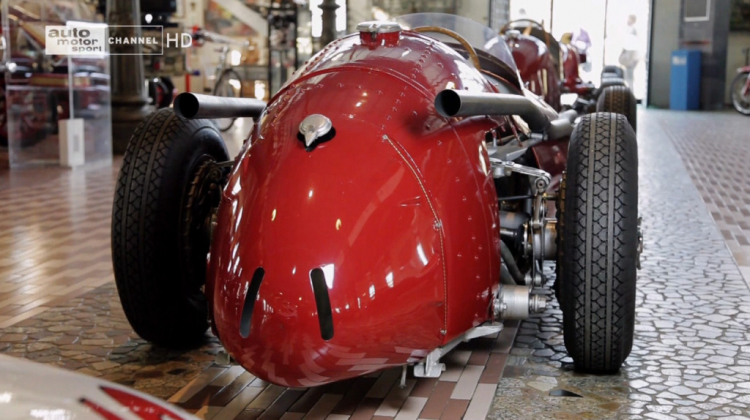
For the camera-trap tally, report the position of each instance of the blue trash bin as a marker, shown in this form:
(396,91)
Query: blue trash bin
(685,88)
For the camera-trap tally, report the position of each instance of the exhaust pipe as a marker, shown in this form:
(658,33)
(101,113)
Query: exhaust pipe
(193,105)
(460,103)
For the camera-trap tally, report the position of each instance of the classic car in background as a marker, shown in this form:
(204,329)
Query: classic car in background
(551,68)
(35,391)
(399,195)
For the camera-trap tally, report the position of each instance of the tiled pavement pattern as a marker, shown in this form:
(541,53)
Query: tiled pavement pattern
(716,150)
(54,238)
(691,358)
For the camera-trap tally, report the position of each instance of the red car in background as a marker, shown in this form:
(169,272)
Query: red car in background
(550,69)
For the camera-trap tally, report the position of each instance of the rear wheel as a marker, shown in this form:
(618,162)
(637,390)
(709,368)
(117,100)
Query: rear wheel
(741,93)
(599,248)
(158,250)
(228,85)
(620,100)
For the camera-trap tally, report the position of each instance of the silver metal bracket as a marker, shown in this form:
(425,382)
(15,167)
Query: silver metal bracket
(378,27)
(431,367)
(540,232)
(502,168)
(223,358)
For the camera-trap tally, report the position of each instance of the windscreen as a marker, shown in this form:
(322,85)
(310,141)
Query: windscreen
(481,37)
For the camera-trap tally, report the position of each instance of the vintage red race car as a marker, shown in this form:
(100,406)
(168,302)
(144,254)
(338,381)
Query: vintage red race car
(398,196)
(551,68)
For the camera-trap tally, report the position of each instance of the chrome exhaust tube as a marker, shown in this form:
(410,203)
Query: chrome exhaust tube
(460,103)
(193,105)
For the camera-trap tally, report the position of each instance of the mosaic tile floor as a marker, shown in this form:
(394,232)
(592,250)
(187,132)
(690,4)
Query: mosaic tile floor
(716,150)
(691,358)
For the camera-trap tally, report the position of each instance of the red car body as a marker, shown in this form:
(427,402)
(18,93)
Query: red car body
(538,69)
(571,64)
(410,264)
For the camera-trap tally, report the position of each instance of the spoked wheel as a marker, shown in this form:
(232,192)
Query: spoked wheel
(741,93)
(599,245)
(620,100)
(228,85)
(167,189)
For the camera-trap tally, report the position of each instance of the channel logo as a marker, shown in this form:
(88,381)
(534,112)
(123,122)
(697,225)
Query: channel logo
(97,39)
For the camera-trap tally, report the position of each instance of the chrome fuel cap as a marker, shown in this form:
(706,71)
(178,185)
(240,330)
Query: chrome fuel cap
(314,129)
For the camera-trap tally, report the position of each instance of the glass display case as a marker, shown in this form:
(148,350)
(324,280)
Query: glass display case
(40,90)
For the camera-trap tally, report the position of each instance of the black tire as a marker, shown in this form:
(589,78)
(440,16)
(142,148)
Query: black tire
(741,104)
(611,81)
(600,241)
(617,70)
(620,100)
(160,289)
(222,87)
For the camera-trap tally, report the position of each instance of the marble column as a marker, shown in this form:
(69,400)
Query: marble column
(130,102)
(329,22)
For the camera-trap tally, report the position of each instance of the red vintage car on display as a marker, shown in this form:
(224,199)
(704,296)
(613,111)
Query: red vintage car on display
(550,68)
(397,196)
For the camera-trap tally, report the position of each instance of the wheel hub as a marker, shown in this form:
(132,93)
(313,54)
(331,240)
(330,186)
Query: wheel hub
(201,201)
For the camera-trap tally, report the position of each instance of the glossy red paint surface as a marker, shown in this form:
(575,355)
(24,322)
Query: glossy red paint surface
(398,209)
(101,411)
(552,156)
(537,68)
(571,62)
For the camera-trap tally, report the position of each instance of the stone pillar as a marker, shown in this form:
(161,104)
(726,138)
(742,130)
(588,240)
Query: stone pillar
(130,102)
(329,22)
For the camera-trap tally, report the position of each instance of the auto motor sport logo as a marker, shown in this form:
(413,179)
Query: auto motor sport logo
(91,39)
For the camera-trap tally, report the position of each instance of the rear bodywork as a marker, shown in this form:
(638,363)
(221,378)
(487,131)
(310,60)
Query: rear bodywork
(398,210)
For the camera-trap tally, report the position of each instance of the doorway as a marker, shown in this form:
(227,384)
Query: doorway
(623,25)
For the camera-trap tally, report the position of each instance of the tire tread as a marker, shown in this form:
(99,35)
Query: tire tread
(600,239)
(145,273)
(619,100)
